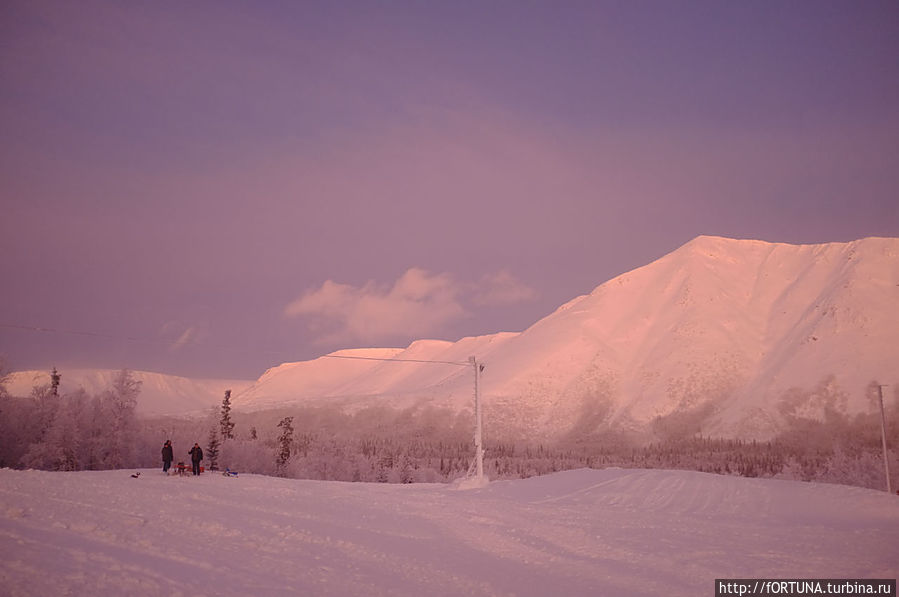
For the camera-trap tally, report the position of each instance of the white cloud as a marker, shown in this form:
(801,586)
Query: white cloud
(418,304)
(186,334)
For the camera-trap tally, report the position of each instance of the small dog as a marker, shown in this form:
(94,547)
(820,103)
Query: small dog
(135,475)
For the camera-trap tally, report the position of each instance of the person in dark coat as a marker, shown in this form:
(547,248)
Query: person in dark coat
(196,455)
(168,456)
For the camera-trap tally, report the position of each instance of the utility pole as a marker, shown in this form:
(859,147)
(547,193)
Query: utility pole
(476,469)
(883,436)
(478,445)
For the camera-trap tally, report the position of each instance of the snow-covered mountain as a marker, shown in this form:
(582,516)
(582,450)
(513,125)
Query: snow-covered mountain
(160,394)
(725,337)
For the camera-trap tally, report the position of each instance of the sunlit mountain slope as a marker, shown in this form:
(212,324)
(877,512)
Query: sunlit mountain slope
(724,337)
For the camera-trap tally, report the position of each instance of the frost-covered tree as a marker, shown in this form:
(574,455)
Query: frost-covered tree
(251,456)
(226,423)
(13,411)
(94,433)
(56,433)
(37,427)
(406,470)
(120,403)
(285,439)
(44,405)
(384,467)
(63,441)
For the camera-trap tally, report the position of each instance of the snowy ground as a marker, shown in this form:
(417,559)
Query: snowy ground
(586,532)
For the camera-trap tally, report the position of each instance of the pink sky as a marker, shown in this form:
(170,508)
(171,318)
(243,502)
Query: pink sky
(214,188)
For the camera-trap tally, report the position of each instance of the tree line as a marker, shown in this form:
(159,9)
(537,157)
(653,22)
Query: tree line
(76,431)
(69,432)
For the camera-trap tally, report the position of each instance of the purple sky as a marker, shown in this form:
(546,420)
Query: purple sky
(212,188)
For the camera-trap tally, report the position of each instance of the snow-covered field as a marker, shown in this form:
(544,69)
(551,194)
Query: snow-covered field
(585,532)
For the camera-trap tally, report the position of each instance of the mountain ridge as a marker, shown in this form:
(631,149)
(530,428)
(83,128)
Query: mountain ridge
(724,337)
(161,394)
(719,335)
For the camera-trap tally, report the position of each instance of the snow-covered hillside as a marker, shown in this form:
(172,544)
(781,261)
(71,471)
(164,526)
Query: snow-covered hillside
(160,394)
(726,337)
(355,377)
(585,532)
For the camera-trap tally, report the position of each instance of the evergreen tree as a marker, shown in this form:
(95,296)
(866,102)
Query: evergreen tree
(284,441)
(227,424)
(212,449)
(406,473)
(55,378)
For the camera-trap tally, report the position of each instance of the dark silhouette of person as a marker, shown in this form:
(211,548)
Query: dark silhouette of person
(196,455)
(168,456)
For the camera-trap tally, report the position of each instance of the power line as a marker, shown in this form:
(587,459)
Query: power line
(344,356)
(30,328)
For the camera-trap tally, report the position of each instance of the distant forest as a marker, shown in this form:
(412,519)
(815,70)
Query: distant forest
(50,430)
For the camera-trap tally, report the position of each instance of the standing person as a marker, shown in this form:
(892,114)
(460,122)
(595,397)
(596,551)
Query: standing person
(168,456)
(196,455)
